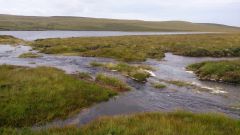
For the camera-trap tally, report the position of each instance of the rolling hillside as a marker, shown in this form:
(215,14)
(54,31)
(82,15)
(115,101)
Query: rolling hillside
(11,22)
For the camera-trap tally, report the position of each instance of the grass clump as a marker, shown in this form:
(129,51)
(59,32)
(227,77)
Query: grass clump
(176,123)
(159,86)
(30,55)
(96,64)
(5,39)
(179,83)
(221,71)
(31,96)
(112,82)
(139,48)
(139,73)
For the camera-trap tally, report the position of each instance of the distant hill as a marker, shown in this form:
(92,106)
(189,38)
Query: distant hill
(12,22)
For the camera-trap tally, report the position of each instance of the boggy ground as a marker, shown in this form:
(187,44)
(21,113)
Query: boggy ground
(31,96)
(139,48)
(221,71)
(177,123)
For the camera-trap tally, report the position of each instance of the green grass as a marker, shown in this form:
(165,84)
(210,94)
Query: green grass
(31,96)
(222,71)
(84,76)
(5,39)
(159,86)
(137,72)
(10,22)
(112,82)
(176,123)
(139,48)
(30,55)
(179,83)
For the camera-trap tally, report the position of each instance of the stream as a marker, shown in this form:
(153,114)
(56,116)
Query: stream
(220,97)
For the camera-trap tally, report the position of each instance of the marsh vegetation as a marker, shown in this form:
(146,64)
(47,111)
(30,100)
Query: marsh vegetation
(34,96)
(177,123)
(139,72)
(221,71)
(139,48)
(112,82)
(29,55)
(6,39)
(37,95)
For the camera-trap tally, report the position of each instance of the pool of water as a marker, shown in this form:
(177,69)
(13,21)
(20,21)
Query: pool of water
(33,35)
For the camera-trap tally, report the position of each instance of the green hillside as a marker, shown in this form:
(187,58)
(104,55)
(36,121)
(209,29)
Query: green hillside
(11,22)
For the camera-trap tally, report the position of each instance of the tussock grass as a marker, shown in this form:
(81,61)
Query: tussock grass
(221,71)
(177,123)
(5,39)
(137,72)
(159,86)
(30,55)
(139,48)
(179,83)
(112,82)
(31,96)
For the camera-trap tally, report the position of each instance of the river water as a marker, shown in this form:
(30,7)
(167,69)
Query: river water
(33,35)
(222,98)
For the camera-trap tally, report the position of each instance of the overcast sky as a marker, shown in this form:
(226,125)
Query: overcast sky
(211,11)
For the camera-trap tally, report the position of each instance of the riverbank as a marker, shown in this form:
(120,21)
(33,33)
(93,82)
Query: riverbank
(32,96)
(6,39)
(221,71)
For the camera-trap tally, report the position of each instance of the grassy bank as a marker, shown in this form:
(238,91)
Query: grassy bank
(5,39)
(139,48)
(222,71)
(112,82)
(31,96)
(177,123)
(138,73)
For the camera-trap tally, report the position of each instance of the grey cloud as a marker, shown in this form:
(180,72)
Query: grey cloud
(216,11)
